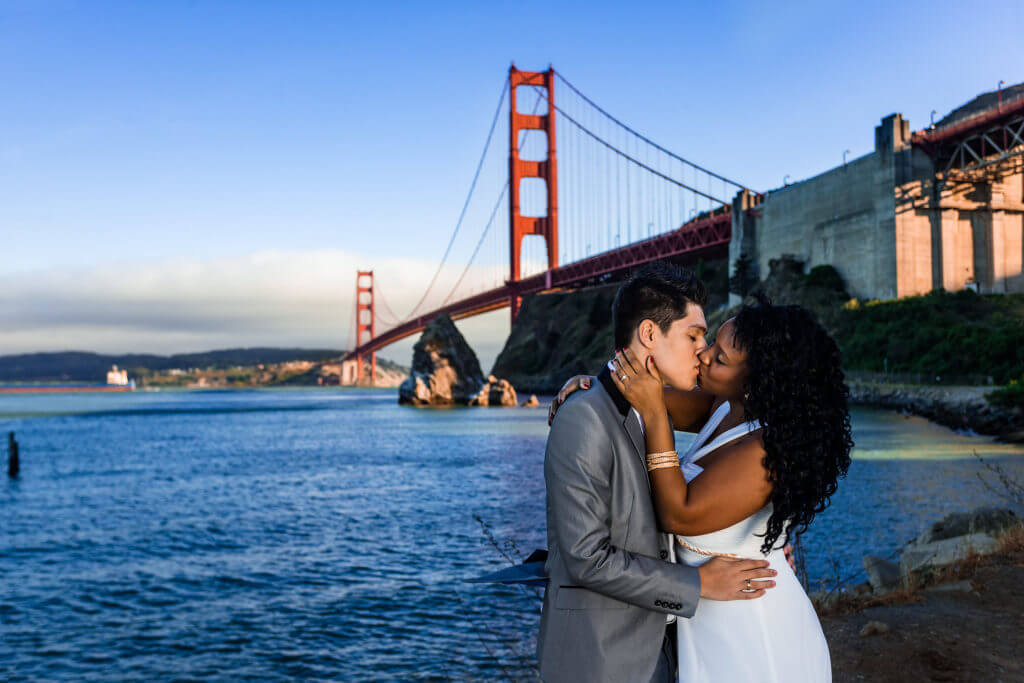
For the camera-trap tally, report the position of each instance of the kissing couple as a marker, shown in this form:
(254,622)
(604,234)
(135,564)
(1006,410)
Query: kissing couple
(669,568)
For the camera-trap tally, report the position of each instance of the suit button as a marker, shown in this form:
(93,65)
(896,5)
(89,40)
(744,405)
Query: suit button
(663,554)
(657,603)
(677,606)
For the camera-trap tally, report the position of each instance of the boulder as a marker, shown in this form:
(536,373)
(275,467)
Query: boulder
(883,576)
(985,520)
(496,392)
(531,402)
(920,555)
(445,371)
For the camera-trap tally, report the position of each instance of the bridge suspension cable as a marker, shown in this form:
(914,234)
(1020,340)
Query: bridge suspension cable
(465,205)
(476,250)
(643,137)
(628,157)
(392,318)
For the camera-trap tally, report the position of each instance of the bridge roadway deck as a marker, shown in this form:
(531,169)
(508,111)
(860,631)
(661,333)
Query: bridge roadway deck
(701,237)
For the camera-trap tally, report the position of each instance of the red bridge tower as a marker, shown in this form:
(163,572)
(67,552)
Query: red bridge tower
(546,169)
(366,321)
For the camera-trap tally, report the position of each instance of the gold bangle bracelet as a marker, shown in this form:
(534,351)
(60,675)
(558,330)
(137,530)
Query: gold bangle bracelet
(662,456)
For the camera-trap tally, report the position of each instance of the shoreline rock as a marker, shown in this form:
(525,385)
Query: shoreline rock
(964,408)
(496,392)
(445,372)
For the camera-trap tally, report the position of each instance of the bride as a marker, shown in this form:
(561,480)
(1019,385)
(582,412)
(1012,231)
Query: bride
(773,438)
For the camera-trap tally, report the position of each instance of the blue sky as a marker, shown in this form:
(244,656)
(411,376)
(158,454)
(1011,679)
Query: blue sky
(180,176)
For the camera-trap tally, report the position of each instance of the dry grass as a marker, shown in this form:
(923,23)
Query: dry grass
(849,603)
(1011,541)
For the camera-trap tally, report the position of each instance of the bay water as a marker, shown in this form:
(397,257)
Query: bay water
(330,533)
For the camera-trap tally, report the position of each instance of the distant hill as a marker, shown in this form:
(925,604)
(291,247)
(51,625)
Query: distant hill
(83,366)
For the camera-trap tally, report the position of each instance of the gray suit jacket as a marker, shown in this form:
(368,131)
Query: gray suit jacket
(608,591)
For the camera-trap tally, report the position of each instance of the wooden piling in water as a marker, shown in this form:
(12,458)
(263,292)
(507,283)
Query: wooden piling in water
(13,462)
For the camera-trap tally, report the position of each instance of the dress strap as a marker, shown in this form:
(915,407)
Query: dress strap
(724,438)
(709,427)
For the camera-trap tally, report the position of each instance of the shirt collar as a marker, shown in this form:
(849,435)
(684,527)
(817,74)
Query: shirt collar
(605,378)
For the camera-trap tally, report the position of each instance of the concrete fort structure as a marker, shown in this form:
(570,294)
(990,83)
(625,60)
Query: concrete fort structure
(938,208)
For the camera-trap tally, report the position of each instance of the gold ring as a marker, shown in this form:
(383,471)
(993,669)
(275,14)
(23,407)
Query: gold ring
(622,378)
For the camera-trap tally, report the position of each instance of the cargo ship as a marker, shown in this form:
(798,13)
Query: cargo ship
(117,380)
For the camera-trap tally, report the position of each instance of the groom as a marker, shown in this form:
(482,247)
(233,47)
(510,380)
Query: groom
(611,590)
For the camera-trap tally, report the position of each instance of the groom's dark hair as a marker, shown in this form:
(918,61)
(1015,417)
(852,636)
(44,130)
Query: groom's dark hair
(657,291)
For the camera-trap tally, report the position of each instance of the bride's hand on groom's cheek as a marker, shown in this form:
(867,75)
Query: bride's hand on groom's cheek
(576,383)
(640,383)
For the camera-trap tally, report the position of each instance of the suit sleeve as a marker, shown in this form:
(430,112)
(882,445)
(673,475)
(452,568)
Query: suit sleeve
(578,464)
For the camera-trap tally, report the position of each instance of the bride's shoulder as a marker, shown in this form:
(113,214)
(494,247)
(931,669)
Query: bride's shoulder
(744,451)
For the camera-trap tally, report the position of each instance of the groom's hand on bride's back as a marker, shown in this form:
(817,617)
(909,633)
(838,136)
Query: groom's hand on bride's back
(573,385)
(725,579)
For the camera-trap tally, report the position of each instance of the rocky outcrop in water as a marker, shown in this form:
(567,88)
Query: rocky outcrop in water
(496,392)
(445,370)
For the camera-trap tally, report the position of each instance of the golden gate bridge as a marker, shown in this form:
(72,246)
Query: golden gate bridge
(623,200)
(596,200)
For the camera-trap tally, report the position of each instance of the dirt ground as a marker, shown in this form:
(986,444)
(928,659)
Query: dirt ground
(946,635)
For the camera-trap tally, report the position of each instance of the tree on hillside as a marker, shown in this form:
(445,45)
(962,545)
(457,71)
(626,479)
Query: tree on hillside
(743,278)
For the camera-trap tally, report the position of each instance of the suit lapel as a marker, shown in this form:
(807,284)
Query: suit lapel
(630,420)
(632,426)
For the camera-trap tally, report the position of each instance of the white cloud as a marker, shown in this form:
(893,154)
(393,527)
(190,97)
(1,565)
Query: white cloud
(267,298)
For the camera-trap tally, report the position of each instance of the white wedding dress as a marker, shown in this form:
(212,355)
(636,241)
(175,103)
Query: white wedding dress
(776,638)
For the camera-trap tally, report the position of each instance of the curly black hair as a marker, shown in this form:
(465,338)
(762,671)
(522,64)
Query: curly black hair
(796,388)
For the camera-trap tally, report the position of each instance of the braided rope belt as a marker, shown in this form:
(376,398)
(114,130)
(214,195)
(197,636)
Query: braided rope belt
(707,553)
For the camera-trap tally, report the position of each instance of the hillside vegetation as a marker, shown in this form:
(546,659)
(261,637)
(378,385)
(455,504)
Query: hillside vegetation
(942,334)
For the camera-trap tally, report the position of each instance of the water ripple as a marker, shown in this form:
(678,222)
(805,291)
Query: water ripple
(323,536)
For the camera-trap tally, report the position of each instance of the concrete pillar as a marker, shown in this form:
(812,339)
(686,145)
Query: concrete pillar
(744,236)
(892,138)
(349,372)
(957,250)
(913,253)
(981,232)
(1007,249)
(938,247)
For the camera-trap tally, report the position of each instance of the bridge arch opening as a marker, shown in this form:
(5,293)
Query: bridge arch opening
(533,144)
(530,99)
(533,198)
(534,258)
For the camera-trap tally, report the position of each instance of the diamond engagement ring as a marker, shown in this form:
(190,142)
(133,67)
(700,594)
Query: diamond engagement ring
(748,584)
(622,378)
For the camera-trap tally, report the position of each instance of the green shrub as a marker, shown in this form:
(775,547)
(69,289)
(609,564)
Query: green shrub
(1009,396)
(942,333)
